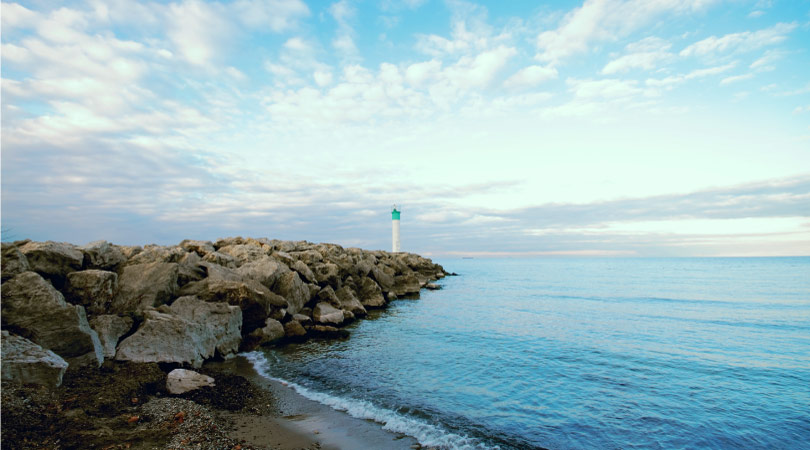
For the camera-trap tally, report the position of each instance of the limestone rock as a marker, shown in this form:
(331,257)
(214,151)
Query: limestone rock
(14,262)
(326,331)
(27,362)
(308,257)
(384,276)
(433,286)
(328,295)
(223,321)
(40,313)
(145,285)
(110,328)
(263,269)
(293,329)
(327,274)
(256,301)
(349,301)
(220,259)
(406,284)
(304,271)
(271,332)
(157,254)
(190,268)
(202,248)
(102,255)
(324,313)
(180,381)
(302,319)
(92,289)
(370,294)
(243,253)
(284,257)
(290,286)
(53,260)
(165,337)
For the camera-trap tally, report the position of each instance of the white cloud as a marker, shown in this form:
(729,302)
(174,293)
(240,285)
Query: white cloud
(343,12)
(322,78)
(418,73)
(277,15)
(801,109)
(605,20)
(736,78)
(530,76)
(607,89)
(671,81)
(756,13)
(644,54)
(16,16)
(196,29)
(763,63)
(743,41)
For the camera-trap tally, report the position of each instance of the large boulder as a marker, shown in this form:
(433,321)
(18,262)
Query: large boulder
(263,269)
(190,268)
(350,302)
(220,259)
(308,257)
(157,254)
(35,310)
(167,338)
(243,253)
(14,262)
(222,320)
(92,289)
(110,328)
(294,330)
(370,294)
(180,381)
(328,295)
(142,286)
(324,313)
(201,248)
(271,332)
(406,284)
(327,274)
(256,301)
(290,286)
(102,255)
(384,276)
(27,362)
(304,271)
(53,260)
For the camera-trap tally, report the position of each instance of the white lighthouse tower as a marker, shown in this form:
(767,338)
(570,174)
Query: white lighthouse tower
(395,229)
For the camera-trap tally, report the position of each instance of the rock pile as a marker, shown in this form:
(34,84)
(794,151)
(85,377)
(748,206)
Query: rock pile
(187,303)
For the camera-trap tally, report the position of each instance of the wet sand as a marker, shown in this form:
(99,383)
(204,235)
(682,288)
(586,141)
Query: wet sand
(299,422)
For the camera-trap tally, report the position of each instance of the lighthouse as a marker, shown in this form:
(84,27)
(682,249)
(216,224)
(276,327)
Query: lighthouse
(395,229)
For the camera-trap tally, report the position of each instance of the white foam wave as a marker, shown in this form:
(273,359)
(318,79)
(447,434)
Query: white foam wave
(427,434)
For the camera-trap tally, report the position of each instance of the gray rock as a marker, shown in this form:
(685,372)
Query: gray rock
(326,331)
(165,337)
(324,313)
(40,313)
(308,257)
(406,284)
(284,257)
(256,301)
(220,259)
(327,274)
(110,328)
(243,253)
(264,269)
(180,381)
(328,295)
(53,260)
(157,254)
(302,319)
(27,362)
(223,321)
(304,271)
(370,294)
(141,286)
(102,255)
(290,286)
(433,286)
(190,268)
(350,302)
(202,248)
(271,332)
(92,289)
(14,262)
(384,276)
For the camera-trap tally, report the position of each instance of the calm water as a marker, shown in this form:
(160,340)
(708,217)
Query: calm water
(580,354)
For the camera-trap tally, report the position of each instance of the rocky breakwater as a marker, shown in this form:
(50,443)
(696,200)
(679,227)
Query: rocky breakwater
(65,306)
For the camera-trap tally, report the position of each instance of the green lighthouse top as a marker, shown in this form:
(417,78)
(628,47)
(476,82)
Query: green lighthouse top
(395,213)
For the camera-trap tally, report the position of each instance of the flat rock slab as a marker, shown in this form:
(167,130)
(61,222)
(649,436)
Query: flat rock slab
(26,362)
(181,381)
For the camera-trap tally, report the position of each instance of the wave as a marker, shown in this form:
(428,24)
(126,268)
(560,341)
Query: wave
(427,434)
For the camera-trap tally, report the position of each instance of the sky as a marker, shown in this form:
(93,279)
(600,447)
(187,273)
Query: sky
(520,128)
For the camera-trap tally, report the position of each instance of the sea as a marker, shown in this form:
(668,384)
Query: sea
(568,353)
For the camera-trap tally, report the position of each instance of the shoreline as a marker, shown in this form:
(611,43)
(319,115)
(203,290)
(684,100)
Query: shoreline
(300,422)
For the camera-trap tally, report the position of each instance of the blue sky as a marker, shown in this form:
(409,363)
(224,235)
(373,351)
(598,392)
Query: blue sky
(603,127)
